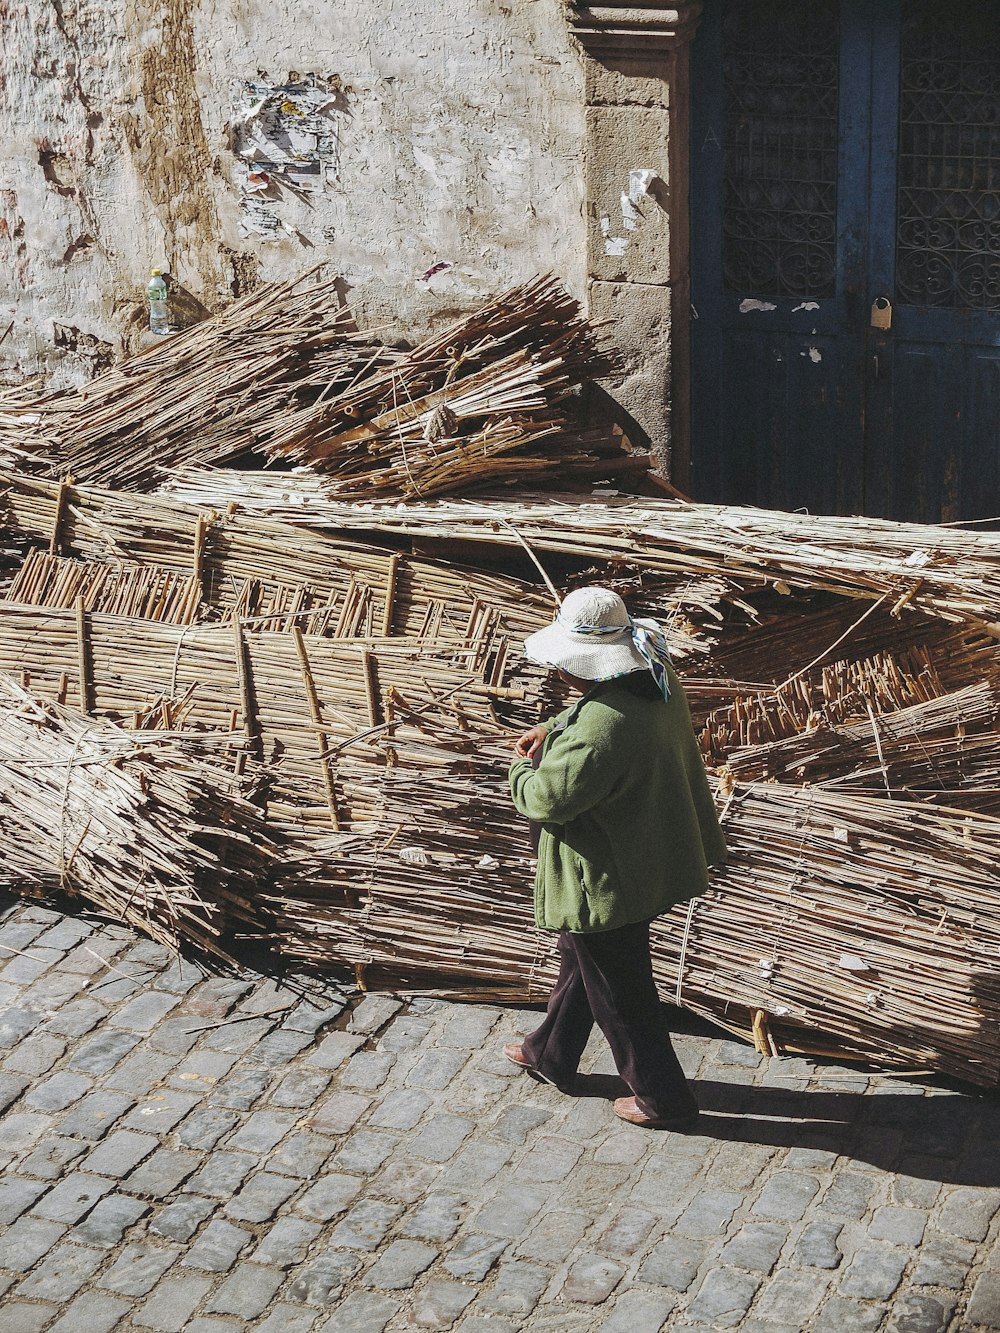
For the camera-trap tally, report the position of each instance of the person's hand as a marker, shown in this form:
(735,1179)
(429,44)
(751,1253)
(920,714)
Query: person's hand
(530,742)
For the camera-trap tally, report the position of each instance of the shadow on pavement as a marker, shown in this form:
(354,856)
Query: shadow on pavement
(951,1137)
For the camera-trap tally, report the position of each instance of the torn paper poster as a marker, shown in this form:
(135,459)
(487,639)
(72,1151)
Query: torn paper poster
(750,304)
(284,139)
(261,219)
(613,245)
(638,187)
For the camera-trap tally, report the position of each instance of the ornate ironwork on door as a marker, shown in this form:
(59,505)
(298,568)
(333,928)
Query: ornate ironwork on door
(948,221)
(780,70)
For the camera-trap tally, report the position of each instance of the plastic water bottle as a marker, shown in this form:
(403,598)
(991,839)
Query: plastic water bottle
(156,290)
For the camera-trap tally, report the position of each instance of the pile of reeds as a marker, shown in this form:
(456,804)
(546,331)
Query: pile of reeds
(857,927)
(359,663)
(884,697)
(863,927)
(943,571)
(157,829)
(216,390)
(466,407)
(284,372)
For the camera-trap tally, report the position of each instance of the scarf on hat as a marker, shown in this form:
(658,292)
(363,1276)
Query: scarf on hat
(649,640)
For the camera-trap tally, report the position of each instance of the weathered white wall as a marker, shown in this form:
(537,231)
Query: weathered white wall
(463,142)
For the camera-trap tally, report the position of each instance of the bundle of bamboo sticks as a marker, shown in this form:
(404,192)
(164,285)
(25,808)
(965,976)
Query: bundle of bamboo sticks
(298,700)
(334,585)
(943,571)
(142,591)
(451,413)
(944,749)
(490,383)
(865,927)
(157,829)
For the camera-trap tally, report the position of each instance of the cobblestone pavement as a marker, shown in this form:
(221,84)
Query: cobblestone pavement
(219,1154)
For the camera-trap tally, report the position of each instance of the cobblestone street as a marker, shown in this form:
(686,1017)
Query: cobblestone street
(218,1154)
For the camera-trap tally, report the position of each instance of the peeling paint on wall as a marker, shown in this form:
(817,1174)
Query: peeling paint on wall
(459,136)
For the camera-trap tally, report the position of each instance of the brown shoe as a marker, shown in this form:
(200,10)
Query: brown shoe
(626,1108)
(515,1054)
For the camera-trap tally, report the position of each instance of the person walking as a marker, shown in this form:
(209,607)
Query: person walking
(628,830)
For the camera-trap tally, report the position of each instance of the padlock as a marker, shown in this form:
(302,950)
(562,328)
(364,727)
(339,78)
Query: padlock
(881,313)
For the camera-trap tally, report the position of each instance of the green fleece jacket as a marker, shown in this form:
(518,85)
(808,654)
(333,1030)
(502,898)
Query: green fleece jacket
(629,827)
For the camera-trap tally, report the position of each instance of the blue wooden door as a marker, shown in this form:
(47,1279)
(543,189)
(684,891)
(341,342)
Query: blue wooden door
(846,256)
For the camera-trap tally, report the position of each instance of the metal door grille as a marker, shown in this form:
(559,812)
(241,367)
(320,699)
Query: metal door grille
(948,227)
(781,74)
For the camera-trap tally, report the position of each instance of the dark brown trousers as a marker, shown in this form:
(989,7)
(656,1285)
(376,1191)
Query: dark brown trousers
(607,978)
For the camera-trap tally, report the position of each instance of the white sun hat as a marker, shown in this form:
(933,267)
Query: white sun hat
(594,638)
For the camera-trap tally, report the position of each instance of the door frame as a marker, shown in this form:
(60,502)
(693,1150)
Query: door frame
(637,68)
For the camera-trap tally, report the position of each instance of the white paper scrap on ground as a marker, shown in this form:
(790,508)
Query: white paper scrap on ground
(850,962)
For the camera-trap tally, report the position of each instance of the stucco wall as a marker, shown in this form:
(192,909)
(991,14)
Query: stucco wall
(461,141)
